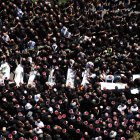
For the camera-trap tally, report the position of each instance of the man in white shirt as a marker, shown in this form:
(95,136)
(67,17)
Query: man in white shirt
(39,123)
(121,107)
(134,108)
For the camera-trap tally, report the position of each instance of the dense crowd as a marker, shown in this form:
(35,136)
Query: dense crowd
(42,35)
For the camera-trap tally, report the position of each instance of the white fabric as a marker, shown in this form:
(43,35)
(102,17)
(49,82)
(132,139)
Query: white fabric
(93,75)
(70,78)
(51,78)
(134,109)
(111,86)
(31,44)
(135,91)
(19,75)
(28,106)
(109,78)
(6,38)
(30,60)
(89,64)
(1,78)
(73,103)
(113,134)
(72,62)
(39,124)
(65,32)
(86,38)
(32,77)
(54,46)
(5,70)
(37,97)
(121,108)
(135,76)
(38,131)
(85,75)
(50,110)
(19,12)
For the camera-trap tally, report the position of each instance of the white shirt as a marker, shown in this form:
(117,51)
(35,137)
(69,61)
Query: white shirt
(113,134)
(19,72)
(28,106)
(121,108)
(134,109)
(39,124)
(38,131)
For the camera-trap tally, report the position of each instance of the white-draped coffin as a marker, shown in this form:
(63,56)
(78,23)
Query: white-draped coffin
(70,78)
(19,74)
(85,76)
(135,76)
(32,77)
(111,86)
(5,71)
(51,81)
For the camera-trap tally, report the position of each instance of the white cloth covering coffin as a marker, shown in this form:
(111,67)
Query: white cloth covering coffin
(112,86)
(5,71)
(32,77)
(70,78)
(51,78)
(87,74)
(19,74)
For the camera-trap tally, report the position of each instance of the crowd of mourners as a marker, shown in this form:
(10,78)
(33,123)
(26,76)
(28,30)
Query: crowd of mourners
(104,32)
